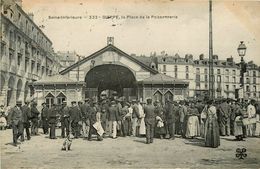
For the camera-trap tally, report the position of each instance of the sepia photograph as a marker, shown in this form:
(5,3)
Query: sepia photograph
(129,84)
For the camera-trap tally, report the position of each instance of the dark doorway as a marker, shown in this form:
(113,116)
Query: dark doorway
(110,77)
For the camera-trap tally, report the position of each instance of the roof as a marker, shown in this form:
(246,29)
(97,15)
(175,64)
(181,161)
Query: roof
(55,79)
(161,79)
(108,48)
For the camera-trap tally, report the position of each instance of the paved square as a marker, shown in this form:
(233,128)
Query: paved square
(128,152)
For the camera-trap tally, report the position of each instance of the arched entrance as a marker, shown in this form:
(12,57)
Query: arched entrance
(2,80)
(10,90)
(110,77)
(19,89)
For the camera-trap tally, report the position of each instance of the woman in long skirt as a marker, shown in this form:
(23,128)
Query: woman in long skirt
(212,138)
(238,123)
(193,126)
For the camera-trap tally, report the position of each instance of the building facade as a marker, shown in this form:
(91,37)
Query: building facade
(26,54)
(196,73)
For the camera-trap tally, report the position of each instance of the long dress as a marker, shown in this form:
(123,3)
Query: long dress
(141,121)
(193,126)
(238,124)
(212,138)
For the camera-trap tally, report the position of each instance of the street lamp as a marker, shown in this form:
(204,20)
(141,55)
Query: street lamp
(242,52)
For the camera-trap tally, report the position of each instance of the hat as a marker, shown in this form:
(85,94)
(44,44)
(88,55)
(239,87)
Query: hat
(86,99)
(134,100)
(73,102)
(43,103)
(113,102)
(18,102)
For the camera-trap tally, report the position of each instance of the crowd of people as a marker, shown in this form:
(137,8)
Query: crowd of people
(112,118)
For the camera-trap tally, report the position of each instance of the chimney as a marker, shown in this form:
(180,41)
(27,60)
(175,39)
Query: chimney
(110,40)
(31,15)
(230,59)
(19,2)
(201,56)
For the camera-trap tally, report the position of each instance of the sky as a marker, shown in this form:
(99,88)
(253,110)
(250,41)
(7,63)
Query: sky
(187,32)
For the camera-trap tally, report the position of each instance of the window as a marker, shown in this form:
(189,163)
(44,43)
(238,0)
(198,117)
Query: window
(197,85)
(218,71)
(227,87)
(254,88)
(32,66)
(197,70)
(227,79)
(19,40)
(42,70)
(49,100)
(26,65)
(187,68)
(187,75)
(234,87)
(219,78)
(234,72)
(247,89)
(198,77)
(206,78)
(254,73)
(19,60)
(175,68)
(205,71)
(38,68)
(227,72)
(254,80)
(164,68)
(234,79)
(206,85)
(60,98)
(247,80)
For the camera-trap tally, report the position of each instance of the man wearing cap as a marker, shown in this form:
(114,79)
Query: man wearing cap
(44,116)
(224,118)
(149,121)
(75,117)
(170,118)
(16,120)
(35,117)
(64,119)
(52,118)
(26,120)
(112,119)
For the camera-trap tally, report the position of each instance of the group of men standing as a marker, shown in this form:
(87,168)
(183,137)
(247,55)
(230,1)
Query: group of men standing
(115,117)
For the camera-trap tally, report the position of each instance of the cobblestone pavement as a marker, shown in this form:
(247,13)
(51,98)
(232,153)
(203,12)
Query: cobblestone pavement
(128,152)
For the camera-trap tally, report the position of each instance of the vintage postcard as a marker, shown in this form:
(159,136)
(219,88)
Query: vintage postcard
(130,84)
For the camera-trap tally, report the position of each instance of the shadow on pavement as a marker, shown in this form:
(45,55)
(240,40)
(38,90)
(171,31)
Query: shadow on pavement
(140,141)
(196,142)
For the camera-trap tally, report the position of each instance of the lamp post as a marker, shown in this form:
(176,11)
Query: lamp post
(242,52)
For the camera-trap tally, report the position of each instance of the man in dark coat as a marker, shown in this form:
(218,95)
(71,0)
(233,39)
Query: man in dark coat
(149,121)
(16,120)
(75,117)
(26,120)
(44,116)
(224,118)
(52,118)
(65,119)
(170,118)
(84,108)
(35,118)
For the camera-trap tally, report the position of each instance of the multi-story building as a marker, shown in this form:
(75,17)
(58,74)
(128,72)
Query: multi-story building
(196,73)
(67,58)
(26,53)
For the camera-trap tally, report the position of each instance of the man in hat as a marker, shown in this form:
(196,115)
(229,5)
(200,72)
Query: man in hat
(149,121)
(44,116)
(65,119)
(26,120)
(75,117)
(35,118)
(112,119)
(183,111)
(16,120)
(52,118)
